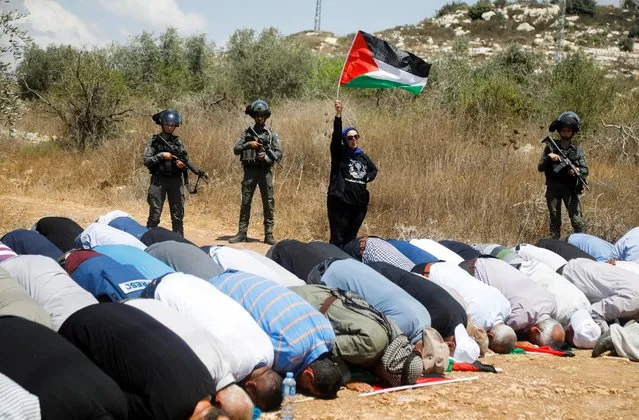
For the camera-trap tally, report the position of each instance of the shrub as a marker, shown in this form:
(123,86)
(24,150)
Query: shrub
(581,7)
(500,4)
(12,38)
(492,97)
(475,11)
(515,62)
(268,66)
(634,30)
(578,84)
(88,99)
(40,69)
(626,44)
(450,8)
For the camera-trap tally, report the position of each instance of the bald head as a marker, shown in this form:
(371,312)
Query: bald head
(548,332)
(235,402)
(502,338)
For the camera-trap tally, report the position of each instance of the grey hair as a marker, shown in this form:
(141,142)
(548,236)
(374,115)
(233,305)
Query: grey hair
(503,338)
(235,402)
(546,329)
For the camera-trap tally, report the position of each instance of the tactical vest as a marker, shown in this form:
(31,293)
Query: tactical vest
(165,167)
(248,157)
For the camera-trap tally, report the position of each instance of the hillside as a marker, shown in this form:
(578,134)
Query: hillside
(532,25)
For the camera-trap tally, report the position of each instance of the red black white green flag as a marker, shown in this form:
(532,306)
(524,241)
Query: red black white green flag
(373,63)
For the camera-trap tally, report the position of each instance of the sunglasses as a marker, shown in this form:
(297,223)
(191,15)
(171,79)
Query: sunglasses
(355,137)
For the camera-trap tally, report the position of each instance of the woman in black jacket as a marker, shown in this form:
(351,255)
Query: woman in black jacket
(351,170)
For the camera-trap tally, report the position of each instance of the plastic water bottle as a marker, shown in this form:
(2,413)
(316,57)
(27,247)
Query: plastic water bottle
(288,397)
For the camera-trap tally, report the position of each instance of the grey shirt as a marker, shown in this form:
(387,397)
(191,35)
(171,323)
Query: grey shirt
(15,301)
(529,302)
(185,258)
(612,291)
(49,285)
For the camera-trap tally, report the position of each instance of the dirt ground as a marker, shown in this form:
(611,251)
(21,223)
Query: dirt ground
(530,386)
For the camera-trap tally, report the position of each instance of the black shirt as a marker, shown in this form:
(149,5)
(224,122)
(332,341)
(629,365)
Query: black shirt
(159,373)
(61,231)
(67,383)
(329,250)
(445,312)
(567,250)
(297,257)
(349,173)
(160,234)
(467,252)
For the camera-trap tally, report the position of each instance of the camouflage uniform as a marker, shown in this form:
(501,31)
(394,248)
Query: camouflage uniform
(562,186)
(257,173)
(166,180)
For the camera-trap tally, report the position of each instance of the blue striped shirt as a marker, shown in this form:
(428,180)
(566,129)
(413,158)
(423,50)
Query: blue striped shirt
(300,334)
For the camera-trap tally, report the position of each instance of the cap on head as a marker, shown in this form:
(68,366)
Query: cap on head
(259,107)
(167,117)
(567,119)
(466,349)
(586,330)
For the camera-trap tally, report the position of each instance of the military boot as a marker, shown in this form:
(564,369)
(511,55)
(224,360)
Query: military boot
(269,238)
(240,237)
(178,227)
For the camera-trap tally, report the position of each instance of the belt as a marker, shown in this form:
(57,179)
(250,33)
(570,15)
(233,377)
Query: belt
(427,267)
(362,245)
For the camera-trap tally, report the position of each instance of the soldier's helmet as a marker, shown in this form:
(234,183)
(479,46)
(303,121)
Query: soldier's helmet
(168,117)
(259,107)
(567,119)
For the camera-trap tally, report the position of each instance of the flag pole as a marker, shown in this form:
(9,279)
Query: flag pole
(339,81)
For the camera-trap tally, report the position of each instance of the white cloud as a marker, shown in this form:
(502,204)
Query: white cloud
(158,14)
(49,23)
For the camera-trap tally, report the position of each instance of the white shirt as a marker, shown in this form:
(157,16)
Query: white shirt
(529,302)
(437,250)
(212,352)
(633,267)
(485,304)
(108,218)
(223,317)
(568,297)
(613,291)
(99,234)
(49,285)
(242,260)
(284,277)
(532,252)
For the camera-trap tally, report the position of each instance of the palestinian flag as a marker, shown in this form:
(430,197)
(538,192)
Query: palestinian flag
(373,63)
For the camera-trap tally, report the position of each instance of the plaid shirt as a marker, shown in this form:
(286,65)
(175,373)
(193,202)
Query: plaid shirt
(378,250)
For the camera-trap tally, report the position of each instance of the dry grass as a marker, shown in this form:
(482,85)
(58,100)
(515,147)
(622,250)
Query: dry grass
(436,178)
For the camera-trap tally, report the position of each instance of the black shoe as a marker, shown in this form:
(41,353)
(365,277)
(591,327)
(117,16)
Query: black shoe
(240,237)
(603,344)
(269,239)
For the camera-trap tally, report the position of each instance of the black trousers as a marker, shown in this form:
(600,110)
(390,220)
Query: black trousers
(344,220)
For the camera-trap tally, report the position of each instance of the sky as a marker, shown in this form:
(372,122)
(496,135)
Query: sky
(89,23)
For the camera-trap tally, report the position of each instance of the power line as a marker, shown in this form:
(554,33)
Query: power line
(318,15)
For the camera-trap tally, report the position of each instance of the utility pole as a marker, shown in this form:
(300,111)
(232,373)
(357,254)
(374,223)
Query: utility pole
(318,16)
(560,31)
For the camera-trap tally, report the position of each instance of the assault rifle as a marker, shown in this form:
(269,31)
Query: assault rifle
(265,146)
(565,162)
(176,155)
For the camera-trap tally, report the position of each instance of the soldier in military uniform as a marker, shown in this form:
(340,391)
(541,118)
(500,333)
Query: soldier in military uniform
(562,183)
(168,162)
(259,149)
